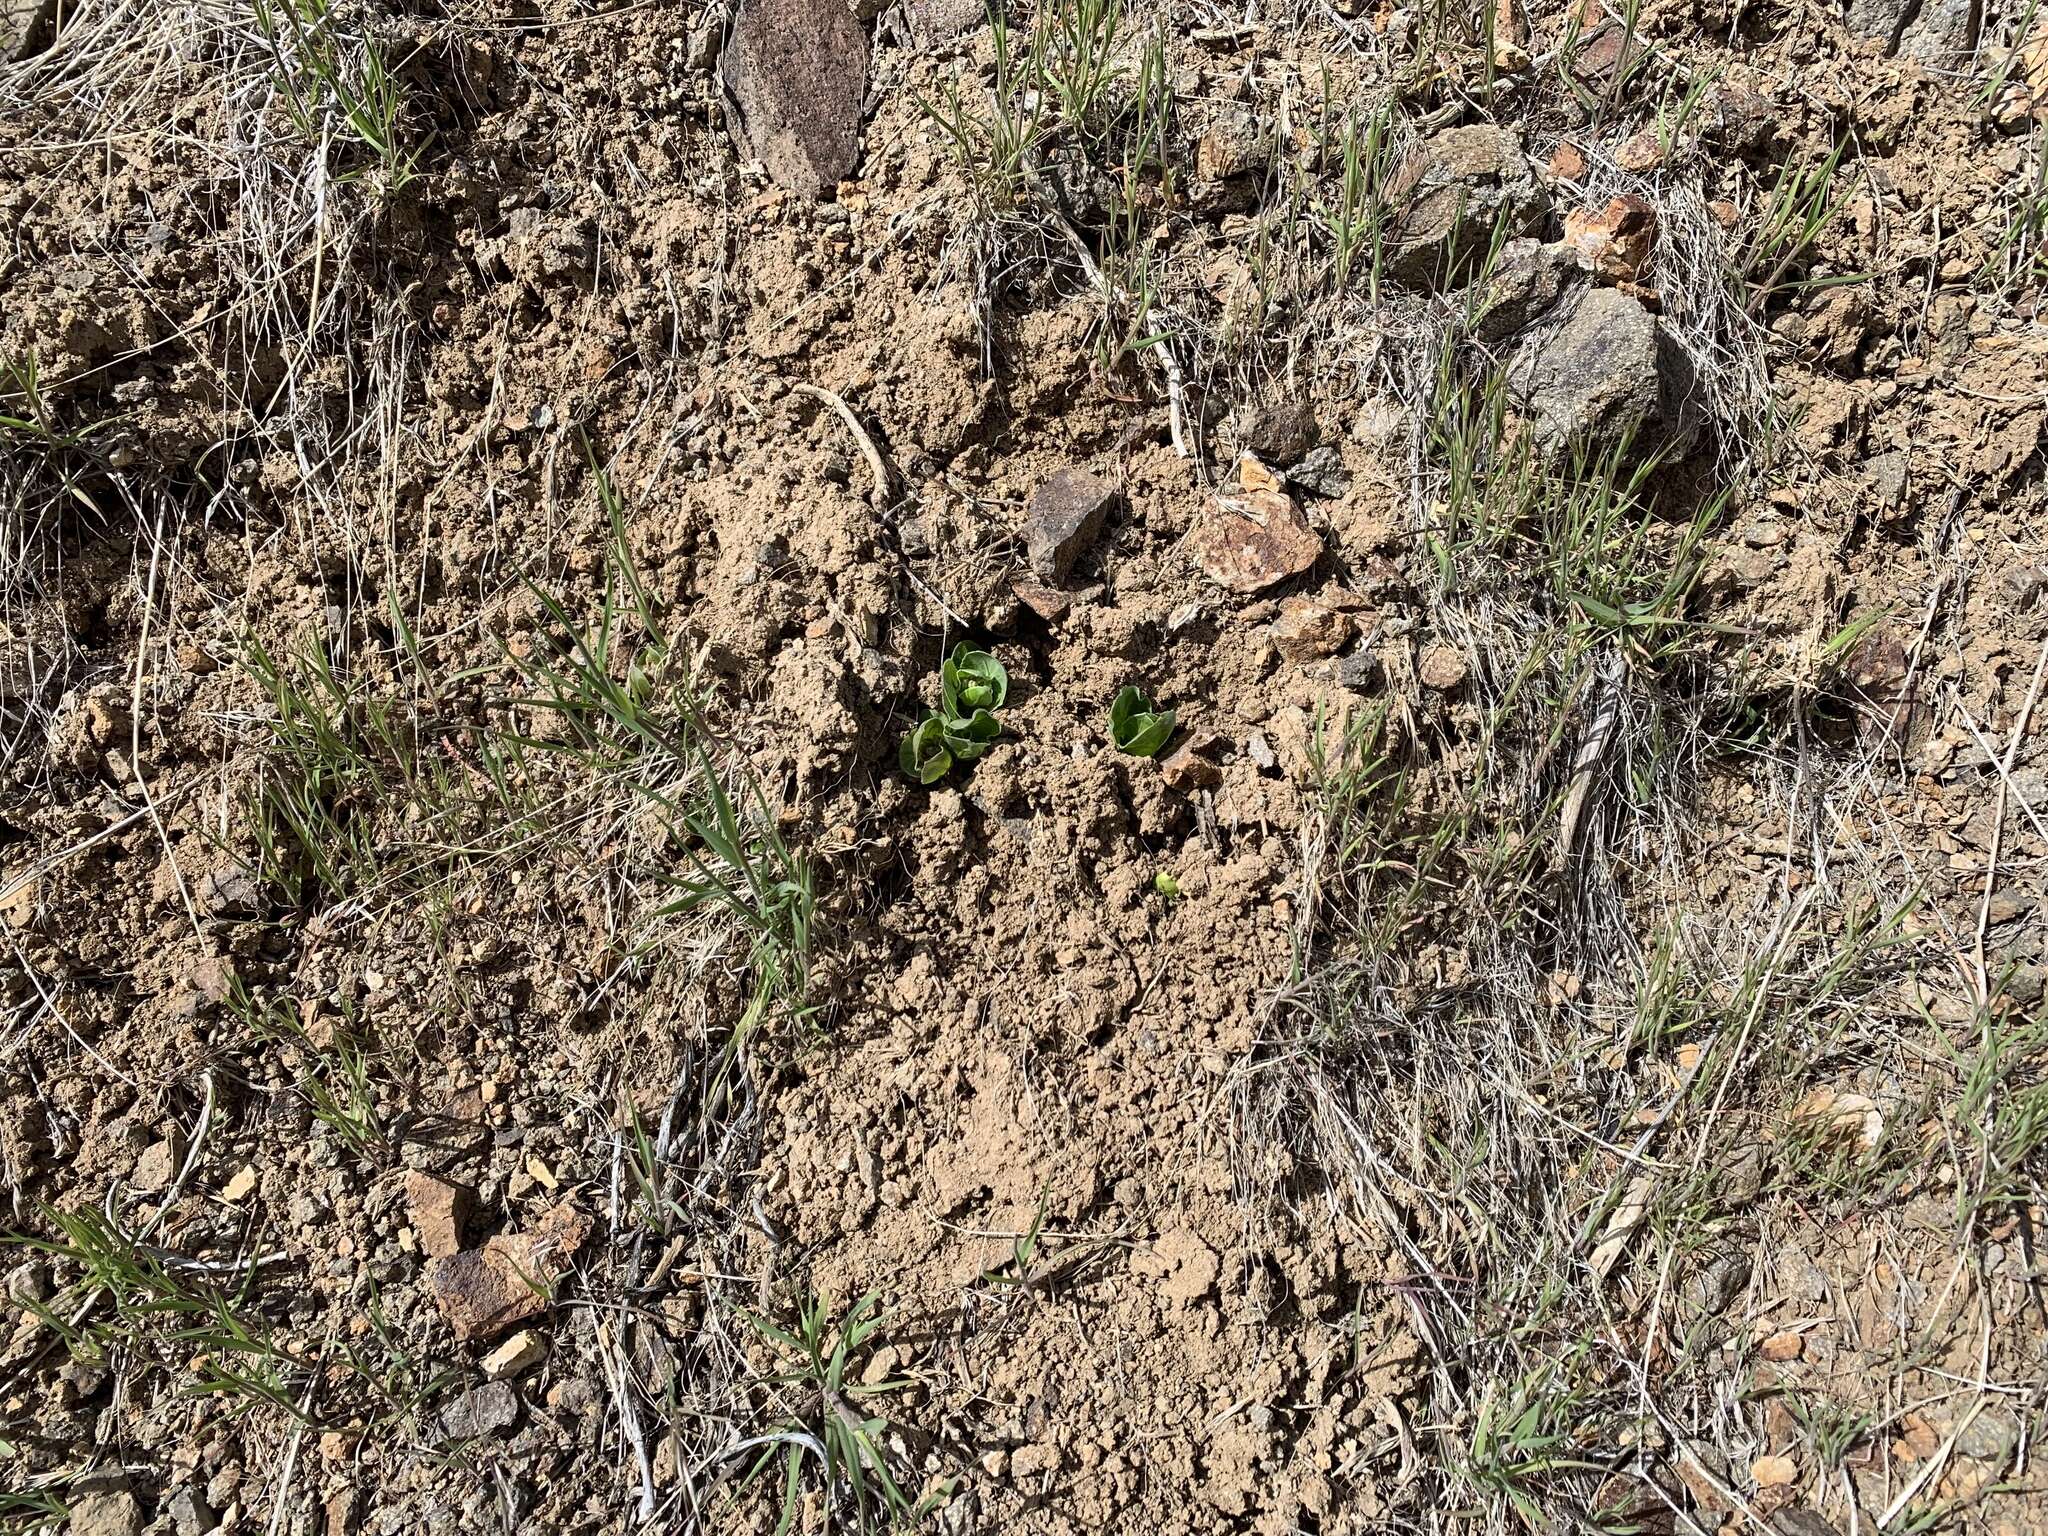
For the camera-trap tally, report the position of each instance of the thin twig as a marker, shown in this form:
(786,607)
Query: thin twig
(867,446)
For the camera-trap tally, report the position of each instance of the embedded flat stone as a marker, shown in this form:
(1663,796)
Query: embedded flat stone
(796,72)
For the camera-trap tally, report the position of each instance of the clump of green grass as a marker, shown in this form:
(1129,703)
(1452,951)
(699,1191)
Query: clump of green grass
(337,87)
(1356,215)
(2000,1113)
(1058,80)
(195,1319)
(360,795)
(1810,195)
(397,780)
(48,467)
(28,416)
(829,1424)
(339,1081)
(1069,148)
(750,872)
(127,1302)
(28,1510)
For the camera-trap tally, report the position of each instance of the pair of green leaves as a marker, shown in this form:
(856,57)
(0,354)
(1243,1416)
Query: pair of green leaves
(1136,727)
(972,687)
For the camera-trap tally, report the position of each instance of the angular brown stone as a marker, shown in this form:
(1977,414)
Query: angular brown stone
(1067,513)
(1249,542)
(1639,153)
(1454,192)
(106,1514)
(486,1290)
(1310,628)
(1615,241)
(437,1209)
(1051,604)
(797,74)
(1568,161)
(1440,668)
(1187,770)
(1604,51)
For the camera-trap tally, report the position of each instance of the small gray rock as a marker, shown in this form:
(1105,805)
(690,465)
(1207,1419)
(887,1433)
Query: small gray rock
(704,41)
(27,27)
(29,1281)
(1886,475)
(482,1411)
(796,73)
(1452,192)
(191,1514)
(1067,513)
(1712,1289)
(940,21)
(1527,279)
(1941,35)
(1740,121)
(1803,1522)
(230,892)
(1878,21)
(1321,472)
(157,1166)
(1279,431)
(1360,670)
(1989,1437)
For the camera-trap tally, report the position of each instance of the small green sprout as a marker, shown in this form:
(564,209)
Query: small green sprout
(925,756)
(967,738)
(1166,885)
(972,682)
(1136,727)
(972,687)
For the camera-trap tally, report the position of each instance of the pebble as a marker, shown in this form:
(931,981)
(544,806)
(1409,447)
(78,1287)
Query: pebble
(521,1352)
(481,1411)
(106,1514)
(191,1514)
(157,1166)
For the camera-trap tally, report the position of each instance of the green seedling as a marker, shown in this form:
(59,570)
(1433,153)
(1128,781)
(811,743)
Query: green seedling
(338,88)
(925,756)
(1017,1273)
(972,687)
(1166,885)
(826,1419)
(1136,727)
(972,682)
(970,736)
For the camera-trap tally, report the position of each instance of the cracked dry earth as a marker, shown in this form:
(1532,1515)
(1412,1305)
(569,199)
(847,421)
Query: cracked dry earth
(395,552)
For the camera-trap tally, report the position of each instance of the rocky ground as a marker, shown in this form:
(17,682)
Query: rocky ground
(535,1002)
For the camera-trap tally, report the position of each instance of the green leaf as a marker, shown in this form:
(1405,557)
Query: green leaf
(968,738)
(924,755)
(971,681)
(1136,727)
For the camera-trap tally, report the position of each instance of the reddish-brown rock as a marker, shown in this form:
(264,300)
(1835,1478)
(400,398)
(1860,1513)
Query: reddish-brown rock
(1310,628)
(1253,541)
(1615,241)
(437,1209)
(484,1291)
